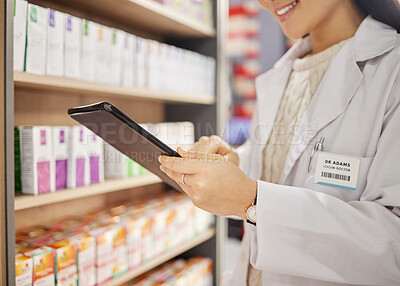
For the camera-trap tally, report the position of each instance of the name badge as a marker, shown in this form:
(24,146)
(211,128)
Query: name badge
(337,170)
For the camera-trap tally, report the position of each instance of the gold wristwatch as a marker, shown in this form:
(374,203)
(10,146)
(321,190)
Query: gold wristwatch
(251,214)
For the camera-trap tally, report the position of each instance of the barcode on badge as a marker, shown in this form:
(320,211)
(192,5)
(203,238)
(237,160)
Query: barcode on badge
(335,176)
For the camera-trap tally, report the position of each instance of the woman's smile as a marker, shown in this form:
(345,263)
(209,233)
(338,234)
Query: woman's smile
(286,11)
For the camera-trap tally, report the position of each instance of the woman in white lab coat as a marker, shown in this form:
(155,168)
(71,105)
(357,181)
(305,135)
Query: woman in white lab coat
(319,178)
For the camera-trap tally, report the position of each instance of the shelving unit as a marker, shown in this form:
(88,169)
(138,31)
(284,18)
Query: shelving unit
(61,84)
(28,99)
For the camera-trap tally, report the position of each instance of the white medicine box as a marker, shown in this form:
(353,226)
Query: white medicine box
(20,12)
(36,39)
(73,39)
(55,43)
(37,164)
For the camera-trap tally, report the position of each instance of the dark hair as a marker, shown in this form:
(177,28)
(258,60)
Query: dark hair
(385,11)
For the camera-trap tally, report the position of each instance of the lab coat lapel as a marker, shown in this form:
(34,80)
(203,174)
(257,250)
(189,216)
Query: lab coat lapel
(329,101)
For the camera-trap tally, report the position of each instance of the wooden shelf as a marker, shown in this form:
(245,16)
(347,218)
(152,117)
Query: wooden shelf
(61,84)
(161,259)
(28,201)
(145,16)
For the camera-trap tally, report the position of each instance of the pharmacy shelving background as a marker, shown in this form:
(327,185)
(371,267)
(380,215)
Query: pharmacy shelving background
(163,93)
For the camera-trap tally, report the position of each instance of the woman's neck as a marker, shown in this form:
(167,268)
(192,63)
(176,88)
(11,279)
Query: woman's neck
(331,33)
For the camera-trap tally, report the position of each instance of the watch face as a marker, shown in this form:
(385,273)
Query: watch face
(251,214)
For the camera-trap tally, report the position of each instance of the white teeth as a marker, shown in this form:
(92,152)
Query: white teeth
(286,9)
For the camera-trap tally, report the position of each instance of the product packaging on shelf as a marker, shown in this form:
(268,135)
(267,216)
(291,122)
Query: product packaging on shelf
(103,54)
(65,266)
(23,270)
(118,165)
(78,170)
(96,158)
(43,264)
(134,233)
(129,61)
(20,19)
(88,56)
(154,64)
(117,49)
(73,39)
(86,258)
(120,252)
(60,155)
(141,62)
(104,253)
(35,61)
(17,162)
(37,163)
(55,43)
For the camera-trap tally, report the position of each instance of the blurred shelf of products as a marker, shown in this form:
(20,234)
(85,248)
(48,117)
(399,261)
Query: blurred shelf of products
(256,42)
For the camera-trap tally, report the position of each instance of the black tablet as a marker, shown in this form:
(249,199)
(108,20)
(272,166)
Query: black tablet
(120,131)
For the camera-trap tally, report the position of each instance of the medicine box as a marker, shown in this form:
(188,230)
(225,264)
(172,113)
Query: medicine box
(65,266)
(20,18)
(78,166)
(103,54)
(36,39)
(120,251)
(60,155)
(141,63)
(95,158)
(55,43)
(17,162)
(117,49)
(43,264)
(88,55)
(37,164)
(86,258)
(73,40)
(23,270)
(129,61)
(104,253)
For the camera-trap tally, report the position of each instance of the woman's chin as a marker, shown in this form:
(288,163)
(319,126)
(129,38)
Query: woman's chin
(294,34)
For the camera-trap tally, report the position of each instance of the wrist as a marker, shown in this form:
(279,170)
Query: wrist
(251,193)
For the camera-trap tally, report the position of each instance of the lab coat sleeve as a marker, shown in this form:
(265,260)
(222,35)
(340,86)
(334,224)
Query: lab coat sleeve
(304,233)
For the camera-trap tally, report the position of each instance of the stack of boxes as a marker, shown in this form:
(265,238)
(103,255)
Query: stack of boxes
(49,159)
(59,44)
(105,244)
(195,271)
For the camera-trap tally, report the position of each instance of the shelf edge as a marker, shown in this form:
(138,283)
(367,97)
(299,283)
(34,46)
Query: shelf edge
(29,201)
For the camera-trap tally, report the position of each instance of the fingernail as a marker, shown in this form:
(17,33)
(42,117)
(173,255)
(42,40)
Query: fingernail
(162,168)
(159,159)
(184,150)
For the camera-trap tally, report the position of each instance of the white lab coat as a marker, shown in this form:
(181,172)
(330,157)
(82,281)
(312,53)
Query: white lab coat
(311,234)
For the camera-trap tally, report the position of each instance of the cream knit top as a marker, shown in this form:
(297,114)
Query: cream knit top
(307,73)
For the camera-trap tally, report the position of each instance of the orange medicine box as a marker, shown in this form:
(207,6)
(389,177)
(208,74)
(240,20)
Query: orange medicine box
(66,270)
(86,258)
(23,270)
(120,263)
(43,264)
